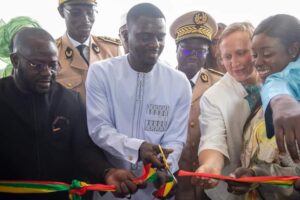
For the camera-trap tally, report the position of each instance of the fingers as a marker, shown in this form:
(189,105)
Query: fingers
(167,152)
(118,192)
(205,183)
(286,117)
(195,181)
(142,185)
(280,139)
(209,183)
(156,162)
(123,181)
(130,186)
(291,144)
(242,172)
(125,189)
(237,189)
(297,133)
(149,153)
(297,185)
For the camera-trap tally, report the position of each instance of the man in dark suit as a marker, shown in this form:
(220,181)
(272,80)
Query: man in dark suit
(43,125)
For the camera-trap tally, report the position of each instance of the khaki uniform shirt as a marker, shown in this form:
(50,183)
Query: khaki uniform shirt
(189,157)
(74,68)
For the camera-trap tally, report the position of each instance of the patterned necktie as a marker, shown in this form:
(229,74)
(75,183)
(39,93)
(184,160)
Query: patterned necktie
(83,50)
(253,95)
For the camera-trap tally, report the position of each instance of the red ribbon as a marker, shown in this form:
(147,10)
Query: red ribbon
(253,179)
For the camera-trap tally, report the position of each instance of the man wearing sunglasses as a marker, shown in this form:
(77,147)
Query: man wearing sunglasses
(193,33)
(77,47)
(44,134)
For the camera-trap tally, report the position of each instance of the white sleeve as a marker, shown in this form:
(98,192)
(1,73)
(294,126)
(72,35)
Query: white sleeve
(101,122)
(212,126)
(175,136)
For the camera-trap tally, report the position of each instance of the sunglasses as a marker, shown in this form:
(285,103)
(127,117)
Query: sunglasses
(200,53)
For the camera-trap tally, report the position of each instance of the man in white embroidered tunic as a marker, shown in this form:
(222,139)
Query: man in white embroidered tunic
(136,102)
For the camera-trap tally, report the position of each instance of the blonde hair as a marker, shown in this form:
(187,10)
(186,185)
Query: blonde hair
(246,27)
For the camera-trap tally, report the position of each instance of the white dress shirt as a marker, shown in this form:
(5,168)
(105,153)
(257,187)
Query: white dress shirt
(76,43)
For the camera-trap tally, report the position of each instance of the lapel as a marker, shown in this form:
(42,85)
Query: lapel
(95,51)
(201,86)
(75,59)
(237,86)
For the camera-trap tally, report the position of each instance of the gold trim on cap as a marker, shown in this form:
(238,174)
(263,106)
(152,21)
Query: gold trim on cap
(193,29)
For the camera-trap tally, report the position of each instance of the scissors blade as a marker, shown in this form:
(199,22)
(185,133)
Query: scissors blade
(166,163)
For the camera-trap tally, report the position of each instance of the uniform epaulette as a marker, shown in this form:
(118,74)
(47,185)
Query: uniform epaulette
(111,40)
(215,72)
(58,41)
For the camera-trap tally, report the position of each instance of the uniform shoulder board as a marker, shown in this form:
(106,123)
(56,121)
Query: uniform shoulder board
(215,72)
(58,41)
(111,40)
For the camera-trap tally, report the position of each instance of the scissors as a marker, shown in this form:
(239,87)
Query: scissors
(166,163)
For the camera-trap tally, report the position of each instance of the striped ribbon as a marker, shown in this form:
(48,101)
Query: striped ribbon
(274,180)
(151,176)
(78,188)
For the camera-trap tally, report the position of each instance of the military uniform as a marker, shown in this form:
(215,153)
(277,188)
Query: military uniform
(189,157)
(73,66)
(195,24)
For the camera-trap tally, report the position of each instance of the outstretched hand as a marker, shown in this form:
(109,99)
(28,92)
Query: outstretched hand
(123,181)
(203,182)
(286,118)
(239,188)
(149,153)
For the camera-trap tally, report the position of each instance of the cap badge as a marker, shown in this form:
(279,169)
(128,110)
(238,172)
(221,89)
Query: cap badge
(200,18)
(204,77)
(69,53)
(95,48)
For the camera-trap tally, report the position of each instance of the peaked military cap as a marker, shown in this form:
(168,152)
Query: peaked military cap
(193,24)
(94,2)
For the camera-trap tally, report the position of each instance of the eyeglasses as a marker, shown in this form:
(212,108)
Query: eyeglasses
(54,66)
(200,53)
(80,12)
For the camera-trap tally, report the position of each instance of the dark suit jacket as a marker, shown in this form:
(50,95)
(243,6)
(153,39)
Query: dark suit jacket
(45,137)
